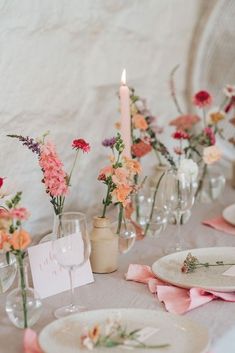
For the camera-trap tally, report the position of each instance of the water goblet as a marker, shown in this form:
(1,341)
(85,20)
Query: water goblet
(71,250)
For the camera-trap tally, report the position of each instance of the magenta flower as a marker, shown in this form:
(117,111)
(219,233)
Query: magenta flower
(109,142)
(210,134)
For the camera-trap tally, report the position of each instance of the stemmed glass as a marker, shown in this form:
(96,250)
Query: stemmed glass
(180,195)
(71,249)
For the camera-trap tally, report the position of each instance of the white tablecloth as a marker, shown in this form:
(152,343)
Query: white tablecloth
(113,291)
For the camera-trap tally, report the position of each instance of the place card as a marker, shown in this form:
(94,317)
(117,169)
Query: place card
(48,277)
(230,271)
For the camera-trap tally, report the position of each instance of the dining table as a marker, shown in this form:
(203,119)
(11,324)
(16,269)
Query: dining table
(114,291)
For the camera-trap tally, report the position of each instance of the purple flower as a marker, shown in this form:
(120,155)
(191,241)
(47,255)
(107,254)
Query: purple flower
(109,142)
(28,142)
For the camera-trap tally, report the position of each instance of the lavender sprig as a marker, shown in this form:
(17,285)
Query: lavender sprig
(28,142)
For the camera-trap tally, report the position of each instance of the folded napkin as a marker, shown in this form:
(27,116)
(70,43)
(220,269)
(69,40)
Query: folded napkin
(31,342)
(176,300)
(220,224)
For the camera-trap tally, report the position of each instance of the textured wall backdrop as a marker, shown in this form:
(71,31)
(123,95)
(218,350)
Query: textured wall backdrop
(60,67)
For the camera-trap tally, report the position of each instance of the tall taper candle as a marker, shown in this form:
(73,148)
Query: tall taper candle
(124,94)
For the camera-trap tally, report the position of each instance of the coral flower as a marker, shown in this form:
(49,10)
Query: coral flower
(185,122)
(121,193)
(4,239)
(94,334)
(120,176)
(211,154)
(139,122)
(140,149)
(178,135)
(106,172)
(133,165)
(20,239)
(202,99)
(81,144)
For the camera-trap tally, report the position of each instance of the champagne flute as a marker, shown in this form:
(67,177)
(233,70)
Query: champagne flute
(180,196)
(71,250)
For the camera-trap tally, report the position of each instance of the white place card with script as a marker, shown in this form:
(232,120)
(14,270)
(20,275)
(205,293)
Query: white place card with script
(48,277)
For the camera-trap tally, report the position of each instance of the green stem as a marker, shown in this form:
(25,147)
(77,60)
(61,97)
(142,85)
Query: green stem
(74,163)
(200,183)
(153,205)
(204,117)
(23,287)
(105,202)
(120,216)
(158,156)
(137,205)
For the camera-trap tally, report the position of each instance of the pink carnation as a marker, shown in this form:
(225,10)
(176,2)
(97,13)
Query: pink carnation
(210,134)
(20,213)
(54,175)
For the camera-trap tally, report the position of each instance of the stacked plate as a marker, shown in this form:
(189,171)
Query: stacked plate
(229,214)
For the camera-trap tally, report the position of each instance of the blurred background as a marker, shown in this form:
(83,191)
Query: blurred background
(60,70)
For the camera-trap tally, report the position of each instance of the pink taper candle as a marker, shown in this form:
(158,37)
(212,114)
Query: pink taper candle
(125,115)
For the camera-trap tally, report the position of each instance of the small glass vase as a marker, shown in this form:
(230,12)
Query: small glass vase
(23,305)
(211,184)
(126,236)
(7,272)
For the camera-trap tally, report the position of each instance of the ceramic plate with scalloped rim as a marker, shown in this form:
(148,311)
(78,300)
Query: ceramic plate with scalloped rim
(183,335)
(229,214)
(168,269)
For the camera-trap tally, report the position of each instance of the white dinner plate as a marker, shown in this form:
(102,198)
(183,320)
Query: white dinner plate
(183,335)
(229,214)
(168,269)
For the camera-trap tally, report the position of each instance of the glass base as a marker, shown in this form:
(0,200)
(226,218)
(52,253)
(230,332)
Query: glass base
(68,310)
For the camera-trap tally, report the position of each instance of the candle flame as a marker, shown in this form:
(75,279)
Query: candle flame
(123,77)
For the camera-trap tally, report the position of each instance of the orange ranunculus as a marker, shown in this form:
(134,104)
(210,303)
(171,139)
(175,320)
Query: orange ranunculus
(20,239)
(4,240)
(120,176)
(133,165)
(211,154)
(139,122)
(121,193)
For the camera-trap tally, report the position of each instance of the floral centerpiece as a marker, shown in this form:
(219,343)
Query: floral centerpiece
(55,178)
(118,177)
(197,133)
(15,240)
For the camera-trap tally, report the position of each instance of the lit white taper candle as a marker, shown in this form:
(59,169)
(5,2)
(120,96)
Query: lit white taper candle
(124,94)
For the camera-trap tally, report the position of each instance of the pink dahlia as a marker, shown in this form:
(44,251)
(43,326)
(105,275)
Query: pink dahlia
(54,175)
(20,213)
(202,99)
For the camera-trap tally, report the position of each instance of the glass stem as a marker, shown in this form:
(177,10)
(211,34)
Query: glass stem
(178,231)
(71,287)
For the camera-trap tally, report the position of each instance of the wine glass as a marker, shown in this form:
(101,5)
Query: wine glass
(180,195)
(71,249)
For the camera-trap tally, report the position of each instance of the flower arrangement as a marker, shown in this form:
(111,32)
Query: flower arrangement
(15,240)
(55,179)
(191,263)
(113,334)
(118,177)
(200,142)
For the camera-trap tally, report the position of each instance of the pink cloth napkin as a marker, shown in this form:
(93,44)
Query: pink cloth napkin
(176,300)
(220,224)
(31,342)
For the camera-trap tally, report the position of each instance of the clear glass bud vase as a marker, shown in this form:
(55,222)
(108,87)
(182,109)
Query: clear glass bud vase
(23,305)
